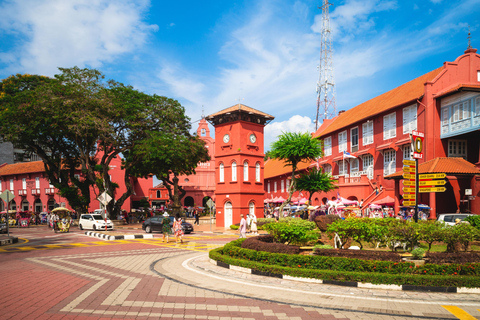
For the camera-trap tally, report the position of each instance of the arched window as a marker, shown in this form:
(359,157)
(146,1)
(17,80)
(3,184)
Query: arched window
(251,208)
(257,172)
(159,194)
(245,171)
(234,171)
(222,176)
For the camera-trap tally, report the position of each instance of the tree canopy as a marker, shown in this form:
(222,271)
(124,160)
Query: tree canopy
(78,121)
(315,180)
(293,148)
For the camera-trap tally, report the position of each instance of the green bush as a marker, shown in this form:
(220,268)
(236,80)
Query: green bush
(417,253)
(234,227)
(462,233)
(295,231)
(322,246)
(430,231)
(474,221)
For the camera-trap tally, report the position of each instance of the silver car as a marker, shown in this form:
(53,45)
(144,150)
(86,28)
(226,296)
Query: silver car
(449,218)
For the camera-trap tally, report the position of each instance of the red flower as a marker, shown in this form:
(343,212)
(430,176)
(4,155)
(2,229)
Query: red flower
(454,273)
(299,265)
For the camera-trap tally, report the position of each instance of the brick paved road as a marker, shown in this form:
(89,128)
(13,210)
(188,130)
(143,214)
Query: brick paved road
(76,277)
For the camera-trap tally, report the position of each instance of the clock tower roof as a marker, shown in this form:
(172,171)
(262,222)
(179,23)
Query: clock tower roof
(239,112)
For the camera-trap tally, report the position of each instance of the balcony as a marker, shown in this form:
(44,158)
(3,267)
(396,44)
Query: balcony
(36,192)
(22,192)
(49,190)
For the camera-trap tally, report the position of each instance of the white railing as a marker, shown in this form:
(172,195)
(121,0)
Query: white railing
(49,190)
(22,192)
(36,191)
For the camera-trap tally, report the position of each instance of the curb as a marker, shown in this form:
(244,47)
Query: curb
(363,285)
(122,237)
(8,241)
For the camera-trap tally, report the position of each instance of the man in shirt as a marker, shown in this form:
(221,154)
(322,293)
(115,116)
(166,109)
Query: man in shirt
(243,227)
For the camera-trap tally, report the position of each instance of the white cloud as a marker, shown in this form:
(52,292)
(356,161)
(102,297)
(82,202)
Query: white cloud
(57,33)
(296,123)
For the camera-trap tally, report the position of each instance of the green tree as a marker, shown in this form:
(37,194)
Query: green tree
(315,180)
(293,148)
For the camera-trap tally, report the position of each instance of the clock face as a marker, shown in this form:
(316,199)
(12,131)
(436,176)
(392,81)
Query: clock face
(253,138)
(226,138)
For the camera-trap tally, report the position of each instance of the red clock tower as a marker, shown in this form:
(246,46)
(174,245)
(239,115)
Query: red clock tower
(238,162)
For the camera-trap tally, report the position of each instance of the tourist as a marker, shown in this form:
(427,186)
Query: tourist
(243,227)
(253,223)
(166,226)
(197,217)
(177,228)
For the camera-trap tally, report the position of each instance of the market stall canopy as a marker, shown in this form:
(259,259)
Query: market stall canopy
(302,201)
(348,202)
(385,201)
(60,209)
(279,199)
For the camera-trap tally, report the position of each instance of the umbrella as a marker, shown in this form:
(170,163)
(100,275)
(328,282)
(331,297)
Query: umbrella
(374,206)
(347,202)
(60,209)
(280,199)
(423,206)
(385,201)
(302,201)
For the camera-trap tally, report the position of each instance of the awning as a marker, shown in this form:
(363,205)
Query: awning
(365,151)
(385,201)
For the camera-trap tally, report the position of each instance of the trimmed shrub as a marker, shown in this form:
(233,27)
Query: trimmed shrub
(234,227)
(363,255)
(323,222)
(265,243)
(417,253)
(463,233)
(474,221)
(452,257)
(295,231)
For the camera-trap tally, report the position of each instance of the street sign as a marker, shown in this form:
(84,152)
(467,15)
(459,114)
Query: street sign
(408,189)
(104,198)
(409,169)
(432,176)
(408,162)
(426,190)
(409,183)
(471,197)
(432,183)
(7,196)
(417,144)
(409,196)
(408,176)
(409,203)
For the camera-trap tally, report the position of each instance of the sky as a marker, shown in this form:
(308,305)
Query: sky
(210,55)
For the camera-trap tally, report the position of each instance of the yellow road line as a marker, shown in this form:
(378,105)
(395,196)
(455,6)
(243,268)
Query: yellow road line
(459,313)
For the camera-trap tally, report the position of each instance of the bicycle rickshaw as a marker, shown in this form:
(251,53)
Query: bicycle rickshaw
(64,220)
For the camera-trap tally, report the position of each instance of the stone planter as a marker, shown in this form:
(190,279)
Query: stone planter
(418,263)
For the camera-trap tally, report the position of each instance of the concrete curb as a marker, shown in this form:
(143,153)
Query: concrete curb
(348,283)
(11,240)
(118,237)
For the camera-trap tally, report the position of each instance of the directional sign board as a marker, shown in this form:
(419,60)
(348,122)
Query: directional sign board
(431,183)
(409,169)
(408,176)
(409,183)
(426,190)
(408,162)
(409,203)
(432,176)
(409,196)
(405,189)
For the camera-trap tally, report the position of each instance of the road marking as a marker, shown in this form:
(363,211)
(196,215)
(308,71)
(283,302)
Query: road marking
(459,313)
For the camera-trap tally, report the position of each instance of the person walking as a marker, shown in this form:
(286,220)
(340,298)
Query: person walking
(166,226)
(243,227)
(177,228)
(197,217)
(253,223)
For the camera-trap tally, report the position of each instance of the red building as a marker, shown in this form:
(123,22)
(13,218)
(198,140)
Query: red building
(366,144)
(238,162)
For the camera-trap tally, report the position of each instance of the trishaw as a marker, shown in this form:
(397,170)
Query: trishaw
(24,218)
(64,220)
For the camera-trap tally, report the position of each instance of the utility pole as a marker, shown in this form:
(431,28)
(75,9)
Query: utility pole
(326,82)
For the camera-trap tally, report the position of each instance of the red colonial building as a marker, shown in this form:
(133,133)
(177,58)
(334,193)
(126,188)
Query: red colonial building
(364,147)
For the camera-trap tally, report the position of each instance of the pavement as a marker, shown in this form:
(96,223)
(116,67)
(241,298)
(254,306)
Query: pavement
(71,276)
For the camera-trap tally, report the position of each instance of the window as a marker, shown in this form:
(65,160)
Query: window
(257,172)
(37,182)
(287,185)
(275,186)
(268,187)
(354,139)
(159,194)
(461,111)
(407,152)
(342,141)
(11,184)
(327,145)
(245,171)
(478,75)
(354,165)
(445,116)
(327,168)
(389,126)
(342,167)
(0,188)
(409,119)
(24,183)
(282,186)
(477,107)
(234,171)
(367,132)
(367,161)
(457,148)
(50,185)
(389,164)
(203,132)
(221,171)
(251,208)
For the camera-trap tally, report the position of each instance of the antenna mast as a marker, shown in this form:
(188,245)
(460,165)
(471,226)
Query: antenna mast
(326,81)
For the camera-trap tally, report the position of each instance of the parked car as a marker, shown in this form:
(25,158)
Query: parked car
(3,227)
(156,223)
(449,218)
(94,221)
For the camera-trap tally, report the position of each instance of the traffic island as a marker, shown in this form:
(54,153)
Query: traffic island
(117,236)
(5,241)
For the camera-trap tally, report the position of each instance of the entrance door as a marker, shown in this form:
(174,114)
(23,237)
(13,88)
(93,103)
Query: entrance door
(228,214)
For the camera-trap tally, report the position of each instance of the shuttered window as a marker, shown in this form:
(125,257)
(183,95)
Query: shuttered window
(409,119)
(389,126)
(389,162)
(342,141)
(327,145)
(367,132)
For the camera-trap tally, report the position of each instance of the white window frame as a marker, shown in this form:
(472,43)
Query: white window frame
(477,106)
(342,141)
(11,185)
(24,183)
(0,185)
(342,167)
(367,132)
(327,145)
(37,182)
(282,186)
(268,187)
(287,185)
(234,171)
(354,165)
(274,186)
(327,168)
(461,111)
(445,116)
(221,169)
(389,161)
(457,148)
(407,152)
(367,161)
(389,126)
(257,172)
(354,140)
(245,171)
(409,119)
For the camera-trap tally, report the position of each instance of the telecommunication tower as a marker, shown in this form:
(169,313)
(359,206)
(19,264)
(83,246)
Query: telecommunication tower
(326,81)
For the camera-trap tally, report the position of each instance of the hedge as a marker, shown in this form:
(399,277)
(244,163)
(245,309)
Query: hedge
(345,269)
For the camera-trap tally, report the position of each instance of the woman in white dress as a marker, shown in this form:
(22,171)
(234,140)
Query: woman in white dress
(253,223)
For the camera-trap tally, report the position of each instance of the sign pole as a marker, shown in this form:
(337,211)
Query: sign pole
(415,217)
(8,220)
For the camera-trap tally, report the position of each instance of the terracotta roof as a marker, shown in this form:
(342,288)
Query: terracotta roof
(324,126)
(405,93)
(21,168)
(242,108)
(274,168)
(458,87)
(450,166)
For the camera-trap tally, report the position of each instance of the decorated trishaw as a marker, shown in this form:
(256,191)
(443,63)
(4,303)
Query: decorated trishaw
(24,218)
(64,219)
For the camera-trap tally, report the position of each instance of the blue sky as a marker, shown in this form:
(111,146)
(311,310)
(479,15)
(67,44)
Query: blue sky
(261,53)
